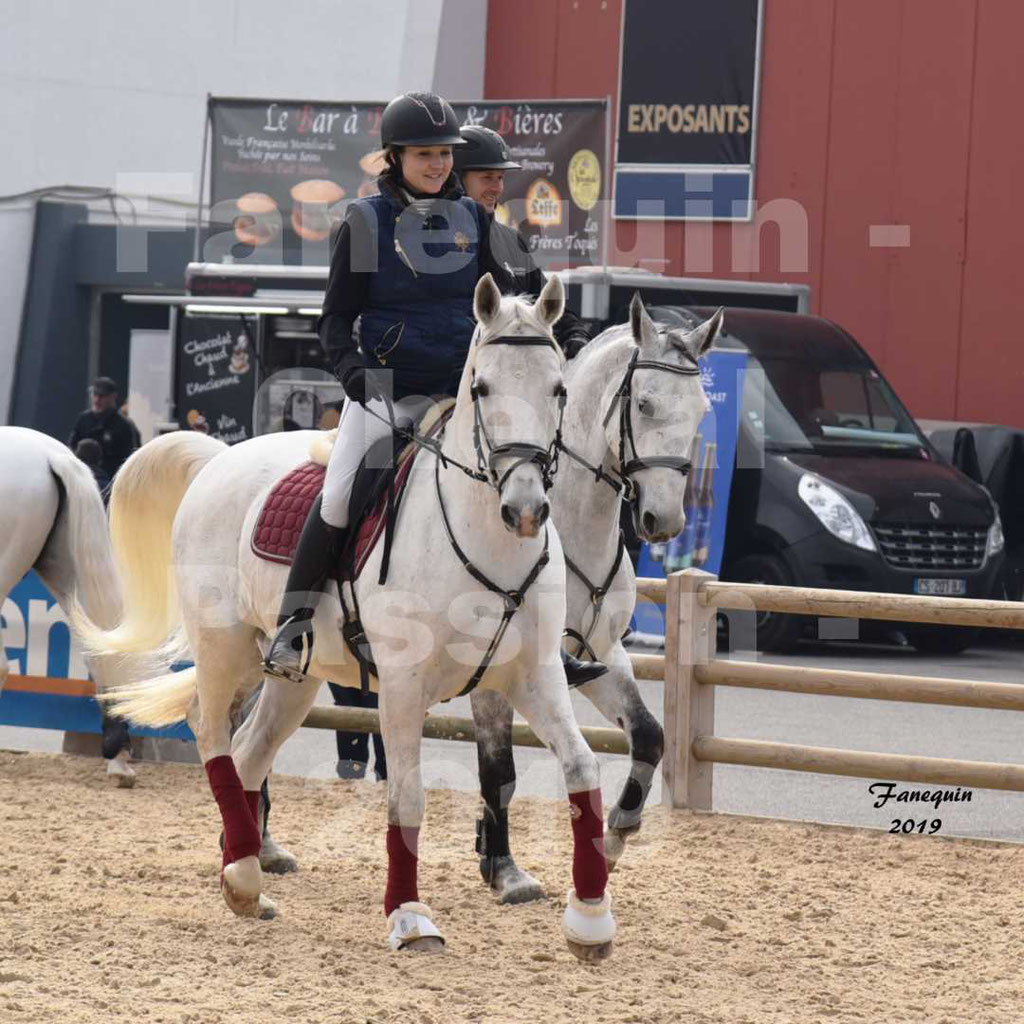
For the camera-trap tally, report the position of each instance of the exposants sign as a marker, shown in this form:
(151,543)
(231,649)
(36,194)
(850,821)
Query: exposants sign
(687,109)
(282,172)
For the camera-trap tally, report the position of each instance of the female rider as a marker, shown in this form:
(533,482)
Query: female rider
(414,297)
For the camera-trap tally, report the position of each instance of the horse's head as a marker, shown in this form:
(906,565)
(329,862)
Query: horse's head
(659,411)
(514,379)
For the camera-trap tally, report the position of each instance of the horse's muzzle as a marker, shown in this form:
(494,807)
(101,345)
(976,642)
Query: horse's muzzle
(525,522)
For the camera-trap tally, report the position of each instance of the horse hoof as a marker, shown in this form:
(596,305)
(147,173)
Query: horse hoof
(120,773)
(591,954)
(240,885)
(615,843)
(428,944)
(275,859)
(510,882)
(267,909)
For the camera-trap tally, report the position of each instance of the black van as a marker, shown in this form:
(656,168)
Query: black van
(836,486)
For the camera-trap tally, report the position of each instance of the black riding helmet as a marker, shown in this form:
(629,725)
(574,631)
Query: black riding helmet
(419,119)
(485,150)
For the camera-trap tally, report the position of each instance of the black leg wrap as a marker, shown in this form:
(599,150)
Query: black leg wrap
(647,745)
(492,834)
(115,736)
(265,807)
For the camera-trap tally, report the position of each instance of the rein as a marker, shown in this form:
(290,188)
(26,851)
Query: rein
(486,472)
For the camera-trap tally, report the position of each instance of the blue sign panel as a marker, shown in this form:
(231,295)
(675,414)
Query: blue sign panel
(49,686)
(702,542)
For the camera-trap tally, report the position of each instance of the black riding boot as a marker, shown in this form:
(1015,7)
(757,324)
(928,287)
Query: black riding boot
(579,672)
(316,556)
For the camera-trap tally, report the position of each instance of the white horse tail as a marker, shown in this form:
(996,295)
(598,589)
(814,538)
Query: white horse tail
(144,501)
(84,523)
(156,702)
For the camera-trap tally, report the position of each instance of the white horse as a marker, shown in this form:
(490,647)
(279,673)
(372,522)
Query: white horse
(635,402)
(229,600)
(54,522)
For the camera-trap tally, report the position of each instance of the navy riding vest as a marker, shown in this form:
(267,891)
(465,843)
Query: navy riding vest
(418,318)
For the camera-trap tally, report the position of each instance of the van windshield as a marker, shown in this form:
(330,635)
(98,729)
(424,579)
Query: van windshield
(824,405)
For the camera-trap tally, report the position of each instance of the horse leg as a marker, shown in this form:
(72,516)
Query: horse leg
(278,712)
(492,715)
(219,654)
(410,922)
(544,702)
(617,697)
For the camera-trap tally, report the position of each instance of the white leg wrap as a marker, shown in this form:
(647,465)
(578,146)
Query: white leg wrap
(589,924)
(408,922)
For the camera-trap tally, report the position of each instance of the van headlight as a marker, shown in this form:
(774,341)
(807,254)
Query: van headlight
(834,512)
(996,540)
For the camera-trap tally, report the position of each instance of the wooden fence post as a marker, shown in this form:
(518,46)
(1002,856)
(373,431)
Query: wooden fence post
(689,708)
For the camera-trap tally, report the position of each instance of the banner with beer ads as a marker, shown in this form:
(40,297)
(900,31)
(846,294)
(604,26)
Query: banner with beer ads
(282,173)
(687,114)
(215,379)
(706,498)
(49,685)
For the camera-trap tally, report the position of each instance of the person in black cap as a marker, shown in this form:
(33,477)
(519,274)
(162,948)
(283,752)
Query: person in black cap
(481,165)
(406,263)
(103,423)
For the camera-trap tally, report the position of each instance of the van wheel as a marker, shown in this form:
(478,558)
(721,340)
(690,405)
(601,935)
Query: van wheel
(774,631)
(927,638)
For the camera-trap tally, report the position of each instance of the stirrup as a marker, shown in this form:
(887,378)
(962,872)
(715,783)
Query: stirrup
(290,673)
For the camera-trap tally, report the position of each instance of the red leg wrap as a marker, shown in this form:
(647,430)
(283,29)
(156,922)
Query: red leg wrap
(402,860)
(589,868)
(241,836)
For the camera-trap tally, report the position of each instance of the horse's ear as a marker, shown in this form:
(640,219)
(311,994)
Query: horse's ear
(486,300)
(642,326)
(550,306)
(702,337)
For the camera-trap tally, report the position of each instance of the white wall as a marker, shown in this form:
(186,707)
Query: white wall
(92,90)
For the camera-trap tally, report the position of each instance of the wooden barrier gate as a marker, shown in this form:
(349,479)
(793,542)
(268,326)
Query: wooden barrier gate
(691,672)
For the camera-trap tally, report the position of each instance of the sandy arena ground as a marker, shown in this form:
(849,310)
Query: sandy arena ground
(109,911)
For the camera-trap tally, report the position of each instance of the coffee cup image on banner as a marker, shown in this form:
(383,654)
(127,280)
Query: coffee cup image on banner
(371,165)
(311,216)
(258,221)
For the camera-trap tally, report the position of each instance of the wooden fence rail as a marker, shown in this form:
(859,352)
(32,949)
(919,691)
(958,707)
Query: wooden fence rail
(692,599)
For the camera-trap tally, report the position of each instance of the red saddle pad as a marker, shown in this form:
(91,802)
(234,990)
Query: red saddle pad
(276,533)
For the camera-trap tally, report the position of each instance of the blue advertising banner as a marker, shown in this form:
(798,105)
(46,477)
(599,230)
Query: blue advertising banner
(49,685)
(702,542)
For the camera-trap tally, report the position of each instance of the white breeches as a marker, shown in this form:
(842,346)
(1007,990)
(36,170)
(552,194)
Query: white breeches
(357,432)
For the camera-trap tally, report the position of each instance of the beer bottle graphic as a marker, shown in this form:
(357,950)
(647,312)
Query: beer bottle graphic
(680,548)
(705,504)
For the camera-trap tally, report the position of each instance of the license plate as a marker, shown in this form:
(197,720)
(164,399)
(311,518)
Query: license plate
(941,588)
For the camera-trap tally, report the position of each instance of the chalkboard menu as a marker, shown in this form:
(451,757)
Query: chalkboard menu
(216,375)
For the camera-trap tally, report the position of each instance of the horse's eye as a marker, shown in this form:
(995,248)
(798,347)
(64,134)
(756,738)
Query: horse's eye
(560,391)
(481,389)
(644,406)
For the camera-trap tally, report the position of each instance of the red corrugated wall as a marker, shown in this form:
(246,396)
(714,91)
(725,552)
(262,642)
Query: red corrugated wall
(873,112)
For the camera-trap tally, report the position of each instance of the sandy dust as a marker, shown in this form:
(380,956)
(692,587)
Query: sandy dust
(109,910)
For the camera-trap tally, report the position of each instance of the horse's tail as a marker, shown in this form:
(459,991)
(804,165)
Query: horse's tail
(84,523)
(144,501)
(156,702)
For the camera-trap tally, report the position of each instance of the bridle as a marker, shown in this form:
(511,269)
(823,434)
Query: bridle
(524,453)
(621,479)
